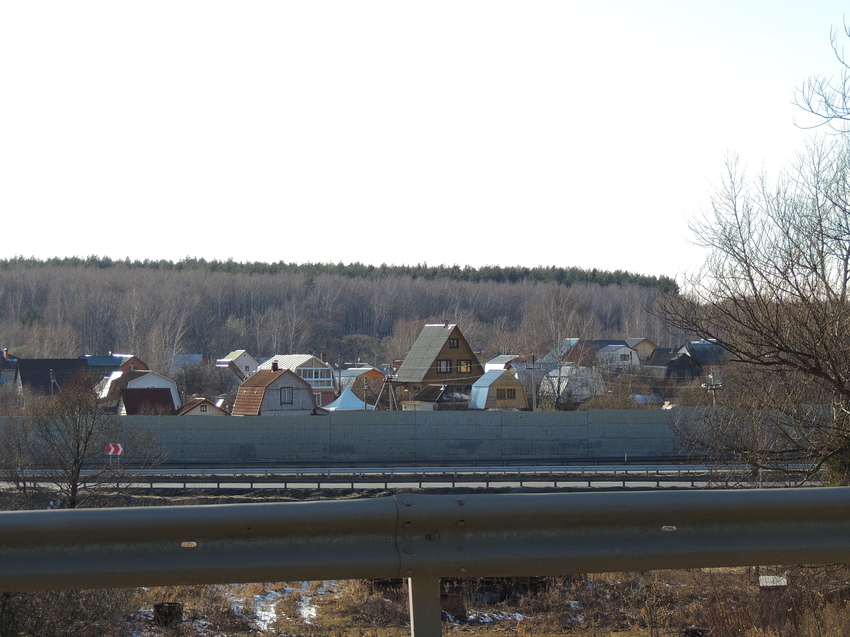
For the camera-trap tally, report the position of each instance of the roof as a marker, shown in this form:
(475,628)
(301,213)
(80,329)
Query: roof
(559,351)
(196,402)
(501,360)
(632,342)
(705,352)
(233,355)
(46,374)
(424,352)
(112,361)
(148,401)
(291,361)
(608,349)
(490,377)
(249,397)
(354,372)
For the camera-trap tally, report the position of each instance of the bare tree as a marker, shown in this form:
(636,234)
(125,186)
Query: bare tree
(61,442)
(827,98)
(773,293)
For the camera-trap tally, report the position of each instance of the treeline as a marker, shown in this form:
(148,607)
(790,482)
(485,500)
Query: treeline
(67,307)
(484,274)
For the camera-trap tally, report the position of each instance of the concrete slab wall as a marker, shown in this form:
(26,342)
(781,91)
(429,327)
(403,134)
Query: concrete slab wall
(421,437)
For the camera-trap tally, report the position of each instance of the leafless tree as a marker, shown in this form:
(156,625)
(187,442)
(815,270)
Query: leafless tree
(60,441)
(773,293)
(827,98)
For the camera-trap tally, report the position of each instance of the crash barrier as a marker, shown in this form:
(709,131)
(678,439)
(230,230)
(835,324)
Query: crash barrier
(422,538)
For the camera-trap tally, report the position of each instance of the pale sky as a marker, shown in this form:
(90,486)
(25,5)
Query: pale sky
(566,133)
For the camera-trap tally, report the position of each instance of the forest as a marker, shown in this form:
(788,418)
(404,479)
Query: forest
(372,314)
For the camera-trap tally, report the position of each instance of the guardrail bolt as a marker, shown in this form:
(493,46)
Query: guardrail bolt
(460,523)
(461,570)
(409,572)
(408,525)
(433,536)
(460,502)
(407,502)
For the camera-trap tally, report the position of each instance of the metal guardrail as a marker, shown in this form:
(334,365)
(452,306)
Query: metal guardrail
(423,538)
(697,476)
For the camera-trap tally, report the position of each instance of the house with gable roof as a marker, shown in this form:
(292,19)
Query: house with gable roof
(240,362)
(140,392)
(440,356)
(315,371)
(617,358)
(643,346)
(498,389)
(201,407)
(275,392)
(44,376)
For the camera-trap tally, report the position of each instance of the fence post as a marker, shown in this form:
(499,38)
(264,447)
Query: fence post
(426,616)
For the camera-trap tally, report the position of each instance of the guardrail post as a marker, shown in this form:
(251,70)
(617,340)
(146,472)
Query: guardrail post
(426,616)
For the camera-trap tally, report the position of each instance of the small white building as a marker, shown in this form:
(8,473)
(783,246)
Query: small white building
(241,362)
(618,358)
(573,383)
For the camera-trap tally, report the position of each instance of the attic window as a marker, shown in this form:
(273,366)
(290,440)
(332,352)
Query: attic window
(286,395)
(453,343)
(444,366)
(203,407)
(464,367)
(505,393)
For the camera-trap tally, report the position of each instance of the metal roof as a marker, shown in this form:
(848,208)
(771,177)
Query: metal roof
(424,352)
(292,361)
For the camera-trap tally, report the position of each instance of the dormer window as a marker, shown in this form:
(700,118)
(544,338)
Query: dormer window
(454,343)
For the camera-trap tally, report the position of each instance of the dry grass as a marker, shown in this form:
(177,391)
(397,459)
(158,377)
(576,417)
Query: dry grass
(654,604)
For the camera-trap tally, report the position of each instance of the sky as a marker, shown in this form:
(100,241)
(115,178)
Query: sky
(558,133)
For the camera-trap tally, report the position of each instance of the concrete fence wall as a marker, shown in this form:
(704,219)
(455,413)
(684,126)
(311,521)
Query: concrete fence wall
(421,437)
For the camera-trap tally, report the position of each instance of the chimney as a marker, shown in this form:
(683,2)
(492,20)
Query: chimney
(324,357)
(274,366)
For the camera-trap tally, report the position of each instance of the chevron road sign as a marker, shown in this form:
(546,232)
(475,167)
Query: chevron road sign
(114,449)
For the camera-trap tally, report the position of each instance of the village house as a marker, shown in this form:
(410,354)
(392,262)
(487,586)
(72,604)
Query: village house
(201,407)
(140,392)
(315,371)
(240,362)
(498,389)
(440,356)
(275,392)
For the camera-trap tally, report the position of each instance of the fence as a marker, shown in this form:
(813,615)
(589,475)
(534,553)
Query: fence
(422,538)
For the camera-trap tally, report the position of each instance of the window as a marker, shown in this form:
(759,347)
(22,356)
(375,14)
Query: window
(203,407)
(318,399)
(464,367)
(286,395)
(505,393)
(444,367)
(453,343)
(625,358)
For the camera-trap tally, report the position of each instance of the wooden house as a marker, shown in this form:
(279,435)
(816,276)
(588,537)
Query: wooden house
(439,356)
(498,390)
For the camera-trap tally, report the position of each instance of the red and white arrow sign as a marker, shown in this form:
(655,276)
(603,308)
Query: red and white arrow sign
(114,449)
